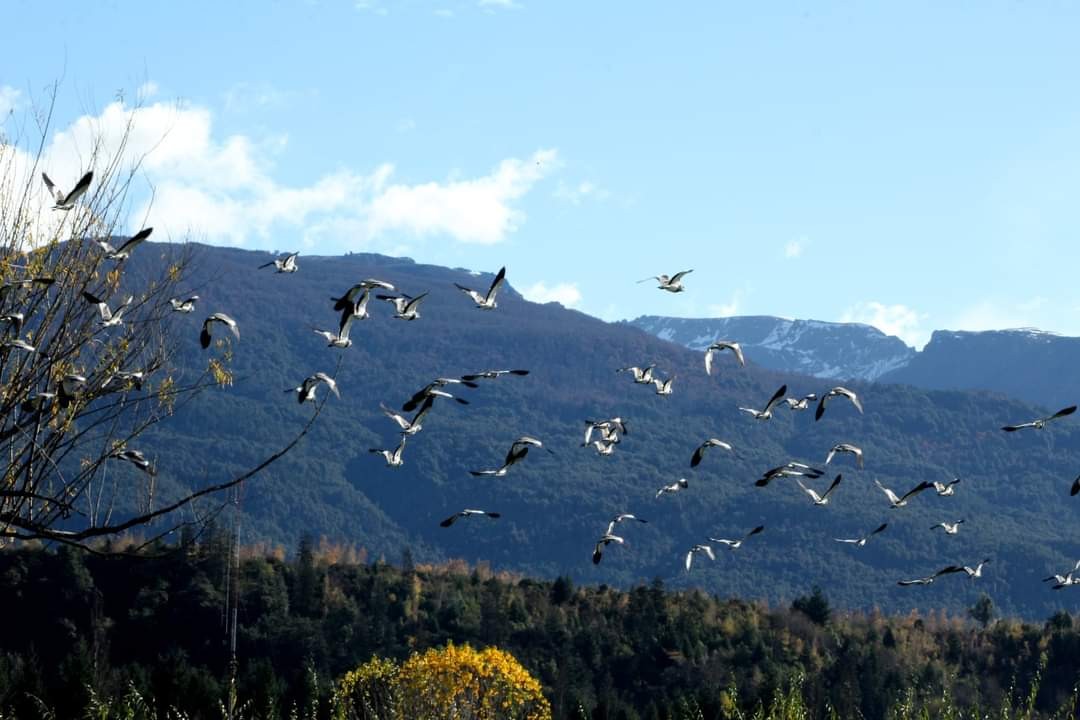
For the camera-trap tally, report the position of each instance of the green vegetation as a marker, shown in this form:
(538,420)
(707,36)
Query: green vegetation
(116,636)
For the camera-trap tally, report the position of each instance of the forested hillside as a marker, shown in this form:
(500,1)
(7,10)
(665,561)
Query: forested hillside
(109,624)
(1013,497)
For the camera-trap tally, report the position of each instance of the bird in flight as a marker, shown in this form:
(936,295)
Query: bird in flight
(720,346)
(946,489)
(949,528)
(184,306)
(695,459)
(846,448)
(348,299)
(671,284)
(341,339)
(819,499)
(518,450)
(604,541)
(467,513)
(800,403)
(485,302)
(680,484)
(136,458)
(393,457)
(410,427)
(124,251)
(306,391)
(791,469)
(736,544)
(861,541)
(621,517)
(109,317)
(493,374)
(696,549)
(406,307)
(286,264)
(896,502)
(837,392)
(433,388)
(1041,422)
(767,412)
(204,336)
(663,387)
(642,375)
(67,201)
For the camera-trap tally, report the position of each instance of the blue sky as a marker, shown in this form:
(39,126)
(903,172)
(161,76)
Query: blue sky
(915,166)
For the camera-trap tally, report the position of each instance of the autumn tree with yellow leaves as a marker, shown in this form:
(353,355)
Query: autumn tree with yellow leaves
(456,682)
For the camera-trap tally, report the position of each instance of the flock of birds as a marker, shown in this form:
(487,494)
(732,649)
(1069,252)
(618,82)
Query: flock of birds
(603,435)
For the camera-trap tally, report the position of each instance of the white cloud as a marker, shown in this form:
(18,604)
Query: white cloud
(9,100)
(576,194)
(566,294)
(221,189)
(898,320)
(794,248)
(474,211)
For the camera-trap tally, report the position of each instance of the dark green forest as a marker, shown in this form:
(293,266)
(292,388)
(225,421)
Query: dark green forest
(80,625)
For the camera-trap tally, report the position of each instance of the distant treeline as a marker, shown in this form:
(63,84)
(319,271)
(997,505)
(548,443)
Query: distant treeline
(78,627)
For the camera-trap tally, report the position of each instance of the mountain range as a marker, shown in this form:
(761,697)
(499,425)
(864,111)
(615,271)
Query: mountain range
(1024,363)
(1013,496)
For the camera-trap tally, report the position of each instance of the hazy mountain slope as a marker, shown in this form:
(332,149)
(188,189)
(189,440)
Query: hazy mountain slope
(1034,365)
(1014,496)
(808,347)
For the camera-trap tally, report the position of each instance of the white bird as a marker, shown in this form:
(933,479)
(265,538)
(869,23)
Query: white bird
(604,447)
(204,336)
(485,302)
(800,403)
(1064,580)
(393,457)
(838,392)
(286,264)
(184,306)
(767,412)
(929,579)
(413,426)
(66,202)
(348,299)
(124,251)
(642,376)
(846,448)
(433,388)
(680,484)
(736,544)
(949,528)
(406,307)
(340,339)
(15,320)
(696,549)
(946,489)
(609,429)
(71,385)
(720,346)
(695,459)
(516,454)
(306,391)
(493,374)
(603,542)
(859,542)
(671,284)
(663,387)
(972,572)
(109,317)
(1041,422)
(791,469)
(620,518)
(26,284)
(136,458)
(896,502)
(466,513)
(819,499)
(124,380)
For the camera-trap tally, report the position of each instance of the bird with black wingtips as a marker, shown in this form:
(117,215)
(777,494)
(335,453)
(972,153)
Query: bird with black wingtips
(393,457)
(435,388)
(486,301)
(680,484)
(136,458)
(949,528)
(306,391)
(696,549)
(414,425)
(766,413)
(184,306)
(493,374)
(822,499)
(468,513)
(1041,422)
(208,323)
(696,458)
(846,448)
(946,489)
(838,391)
(348,298)
(406,307)
(109,317)
(736,544)
(718,347)
(861,541)
(124,251)
(671,284)
(66,201)
(285,264)
(604,541)
(901,501)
